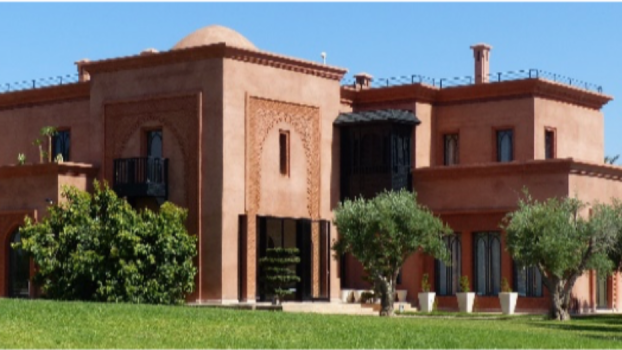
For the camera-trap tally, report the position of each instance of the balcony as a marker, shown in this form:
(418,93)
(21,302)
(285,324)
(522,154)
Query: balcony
(141,177)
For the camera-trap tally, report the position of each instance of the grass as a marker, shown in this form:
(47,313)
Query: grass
(47,324)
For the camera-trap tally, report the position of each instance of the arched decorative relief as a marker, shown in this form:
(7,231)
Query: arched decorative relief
(262,116)
(180,115)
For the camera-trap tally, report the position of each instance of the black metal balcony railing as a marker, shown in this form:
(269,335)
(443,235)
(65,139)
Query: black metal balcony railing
(469,80)
(39,83)
(141,177)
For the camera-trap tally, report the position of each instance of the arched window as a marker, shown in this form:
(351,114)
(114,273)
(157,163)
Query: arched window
(447,277)
(19,270)
(487,259)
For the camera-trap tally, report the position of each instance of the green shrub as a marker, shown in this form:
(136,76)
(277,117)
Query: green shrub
(425,283)
(277,273)
(96,247)
(465,287)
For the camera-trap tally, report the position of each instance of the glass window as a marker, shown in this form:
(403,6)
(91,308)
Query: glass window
(487,258)
(447,277)
(284,152)
(505,152)
(549,144)
(528,281)
(154,143)
(450,149)
(60,144)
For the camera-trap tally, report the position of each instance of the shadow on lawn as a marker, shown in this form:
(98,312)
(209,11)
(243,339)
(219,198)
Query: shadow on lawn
(609,326)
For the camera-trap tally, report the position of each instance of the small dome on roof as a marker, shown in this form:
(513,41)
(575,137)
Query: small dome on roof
(212,35)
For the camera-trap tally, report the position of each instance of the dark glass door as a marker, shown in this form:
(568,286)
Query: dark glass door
(19,270)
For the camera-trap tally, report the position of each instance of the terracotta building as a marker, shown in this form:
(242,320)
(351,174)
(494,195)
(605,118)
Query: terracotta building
(261,147)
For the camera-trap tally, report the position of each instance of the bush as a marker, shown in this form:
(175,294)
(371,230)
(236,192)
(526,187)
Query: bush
(277,274)
(96,247)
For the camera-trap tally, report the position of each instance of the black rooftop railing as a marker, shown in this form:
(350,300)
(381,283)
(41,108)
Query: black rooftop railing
(39,83)
(469,80)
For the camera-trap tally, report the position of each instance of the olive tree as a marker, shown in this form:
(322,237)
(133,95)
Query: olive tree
(383,232)
(564,240)
(97,247)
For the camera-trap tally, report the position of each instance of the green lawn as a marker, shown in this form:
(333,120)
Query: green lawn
(45,324)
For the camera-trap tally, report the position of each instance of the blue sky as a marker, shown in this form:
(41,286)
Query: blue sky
(578,40)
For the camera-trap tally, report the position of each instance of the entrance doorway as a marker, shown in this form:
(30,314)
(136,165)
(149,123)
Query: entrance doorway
(314,267)
(601,292)
(19,270)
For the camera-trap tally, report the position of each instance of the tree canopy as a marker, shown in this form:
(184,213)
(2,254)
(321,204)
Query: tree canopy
(563,239)
(383,232)
(96,247)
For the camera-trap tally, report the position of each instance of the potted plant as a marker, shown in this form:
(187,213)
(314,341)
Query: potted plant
(277,272)
(466,298)
(507,298)
(426,298)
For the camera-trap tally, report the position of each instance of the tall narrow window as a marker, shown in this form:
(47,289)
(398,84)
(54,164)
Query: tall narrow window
(284,152)
(528,281)
(61,143)
(154,143)
(505,142)
(487,259)
(549,144)
(450,149)
(447,277)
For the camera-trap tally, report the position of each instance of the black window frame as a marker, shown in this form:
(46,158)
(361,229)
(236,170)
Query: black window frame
(61,144)
(549,144)
(492,281)
(452,273)
(529,285)
(500,134)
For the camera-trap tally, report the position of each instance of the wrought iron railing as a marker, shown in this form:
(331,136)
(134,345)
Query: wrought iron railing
(469,80)
(145,176)
(39,83)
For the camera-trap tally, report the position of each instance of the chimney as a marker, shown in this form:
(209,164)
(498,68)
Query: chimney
(363,81)
(82,73)
(481,55)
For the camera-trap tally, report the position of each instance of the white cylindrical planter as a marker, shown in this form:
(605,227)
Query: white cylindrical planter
(401,295)
(426,301)
(345,295)
(508,302)
(465,301)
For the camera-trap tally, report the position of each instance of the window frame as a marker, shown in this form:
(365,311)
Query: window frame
(445,156)
(530,288)
(66,157)
(489,278)
(553,131)
(451,242)
(496,142)
(284,152)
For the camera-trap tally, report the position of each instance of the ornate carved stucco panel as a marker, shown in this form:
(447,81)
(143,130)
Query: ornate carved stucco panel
(262,116)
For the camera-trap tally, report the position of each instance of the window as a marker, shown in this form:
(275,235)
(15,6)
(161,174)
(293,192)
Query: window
(505,143)
(60,144)
(549,144)
(528,281)
(154,143)
(284,152)
(487,263)
(450,151)
(447,277)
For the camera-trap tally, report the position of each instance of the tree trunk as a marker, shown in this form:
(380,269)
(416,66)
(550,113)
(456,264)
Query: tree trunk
(387,293)
(560,302)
